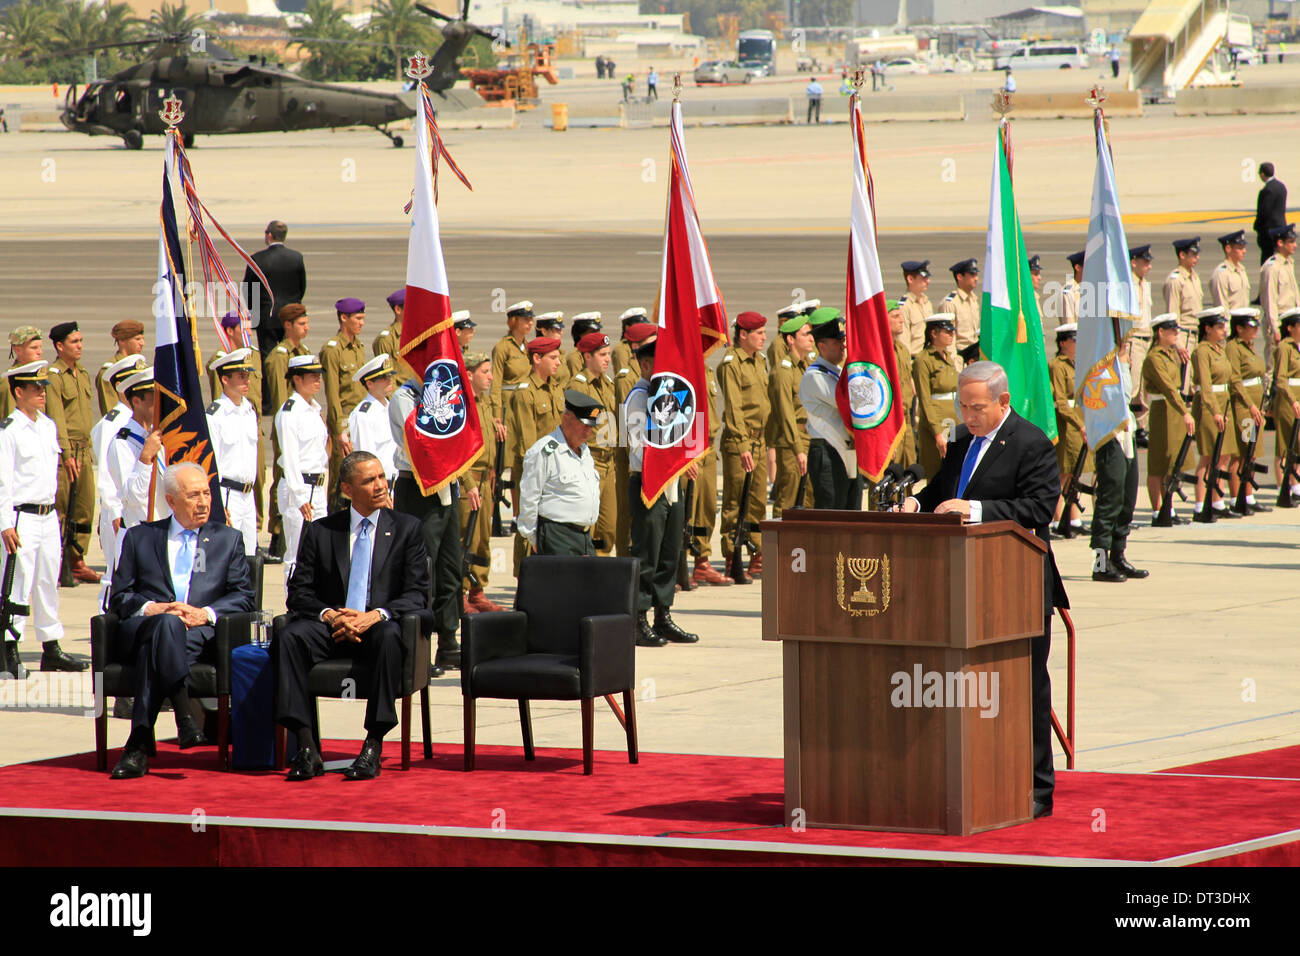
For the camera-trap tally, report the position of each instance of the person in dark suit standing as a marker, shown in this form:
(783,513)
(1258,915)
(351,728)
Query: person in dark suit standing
(373,558)
(284,270)
(1001,467)
(175,577)
(1270,210)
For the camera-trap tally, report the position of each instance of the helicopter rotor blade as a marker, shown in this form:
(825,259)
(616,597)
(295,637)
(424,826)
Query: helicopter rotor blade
(436,14)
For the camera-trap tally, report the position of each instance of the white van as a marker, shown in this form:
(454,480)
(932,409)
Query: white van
(1045,56)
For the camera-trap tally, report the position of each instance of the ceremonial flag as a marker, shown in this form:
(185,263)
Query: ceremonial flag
(178,411)
(868,388)
(692,323)
(443,436)
(1011,332)
(1108,305)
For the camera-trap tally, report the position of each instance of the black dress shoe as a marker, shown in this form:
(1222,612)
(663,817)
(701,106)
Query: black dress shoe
(645,634)
(53,658)
(190,737)
(1112,575)
(1042,809)
(306,765)
(366,766)
(269,557)
(134,763)
(667,628)
(1121,563)
(1227,513)
(1141,438)
(1259,506)
(436,671)
(448,660)
(13,663)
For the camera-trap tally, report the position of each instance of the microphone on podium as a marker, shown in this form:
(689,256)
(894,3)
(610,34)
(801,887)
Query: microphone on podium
(888,484)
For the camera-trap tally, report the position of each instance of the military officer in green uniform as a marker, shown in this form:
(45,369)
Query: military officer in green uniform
(580,325)
(743,376)
(510,365)
(1286,392)
(559,490)
(26,345)
(550,325)
(1070,431)
(128,338)
(389,340)
(905,455)
(706,494)
(788,432)
(1211,407)
(592,381)
(341,356)
(935,378)
(70,400)
(779,350)
(1246,386)
(476,489)
(1171,419)
(624,352)
(535,410)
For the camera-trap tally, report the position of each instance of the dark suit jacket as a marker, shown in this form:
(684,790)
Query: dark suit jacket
(1017,480)
(399,573)
(220,579)
(1270,207)
(284,270)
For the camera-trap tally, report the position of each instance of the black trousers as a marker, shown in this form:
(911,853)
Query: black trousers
(441,527)
(831,485)
(554,537)
(1114,499)
(656,542)
(1266,247)
(814,108)
(1040,648)
(305,643)
(163,650)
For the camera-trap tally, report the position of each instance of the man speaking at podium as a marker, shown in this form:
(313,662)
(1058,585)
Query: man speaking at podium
(1001,467)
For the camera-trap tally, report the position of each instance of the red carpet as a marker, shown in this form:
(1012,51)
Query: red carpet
(708,806)
(1283,762)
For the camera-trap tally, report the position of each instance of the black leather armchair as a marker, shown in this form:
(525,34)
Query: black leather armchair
(571,636)
(208,678)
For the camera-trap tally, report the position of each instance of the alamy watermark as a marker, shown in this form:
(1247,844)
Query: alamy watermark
(922,688)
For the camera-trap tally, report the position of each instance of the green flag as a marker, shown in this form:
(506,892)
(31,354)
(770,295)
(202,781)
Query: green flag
(1011,332)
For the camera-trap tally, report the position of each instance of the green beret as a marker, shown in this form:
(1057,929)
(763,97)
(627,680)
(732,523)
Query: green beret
(791,326)
(891,305)
(825,314)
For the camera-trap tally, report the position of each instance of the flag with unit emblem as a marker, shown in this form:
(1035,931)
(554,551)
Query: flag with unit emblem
(443,436)
(868,389)
(692,322)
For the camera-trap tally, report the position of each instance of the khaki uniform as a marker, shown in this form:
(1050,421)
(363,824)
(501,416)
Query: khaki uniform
(706,482)
(906,453)
(534,412)
(7,400)
(389,342)
(621,357)
(273,371)
(1211,371)
(915,309)
(573,363)
(787,431)
(1230,285)
(70,403)
(1277,293)
(1163,377)
(1184,297)
(602,446)
(744,382)
(480,476)
(1069,418)
(1286,391)
(1246,386)
(624,379)
(103,387)
(935,378)
(339,359)
(1139,345)
(1063,307)
(966,307)
(510,366)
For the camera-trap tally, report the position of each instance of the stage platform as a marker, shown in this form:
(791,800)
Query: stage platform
(670,809)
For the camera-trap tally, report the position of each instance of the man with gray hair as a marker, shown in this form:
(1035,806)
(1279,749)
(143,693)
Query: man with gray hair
(999,467)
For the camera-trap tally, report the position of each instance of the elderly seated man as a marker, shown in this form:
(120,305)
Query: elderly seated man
(174,578)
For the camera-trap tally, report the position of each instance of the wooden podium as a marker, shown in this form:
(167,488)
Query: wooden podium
(907,673)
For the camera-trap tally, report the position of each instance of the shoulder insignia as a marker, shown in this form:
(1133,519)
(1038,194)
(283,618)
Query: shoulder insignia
(521,386)
(52,369)
(331,344)
(363,407)
(112,414)
(287,405)
(579,377)
(281,348)
(106,365)
(1220,267)
(6,423)
(550,446)
(786,363)
(383,333)
(950,295)
(1174,274)
(123,433)
(903,298)
(623,371)
(726,358)
(211,409)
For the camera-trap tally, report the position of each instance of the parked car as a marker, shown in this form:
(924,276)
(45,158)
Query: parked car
(905,65)
(722,71)
(1045,56)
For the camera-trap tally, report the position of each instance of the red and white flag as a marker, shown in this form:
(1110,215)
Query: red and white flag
(443,436)
(692,323)
(868,393)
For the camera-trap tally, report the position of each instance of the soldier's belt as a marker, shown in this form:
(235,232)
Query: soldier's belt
(944,396)
(315,481)
(1155,398)
(30,509)
(513,388)
(580,528)
(1218,388)
(1293,381)
(1247,383)
(244,486)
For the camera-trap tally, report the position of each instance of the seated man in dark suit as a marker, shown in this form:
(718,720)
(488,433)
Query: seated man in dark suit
(174,579)
(359,570)
(1001,467)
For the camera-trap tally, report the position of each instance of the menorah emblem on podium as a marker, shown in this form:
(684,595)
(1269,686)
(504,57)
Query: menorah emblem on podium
(864,570)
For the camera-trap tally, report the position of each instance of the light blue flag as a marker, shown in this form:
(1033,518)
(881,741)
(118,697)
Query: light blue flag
(1108,307)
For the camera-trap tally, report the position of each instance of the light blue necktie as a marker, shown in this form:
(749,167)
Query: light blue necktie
(184,565)
(968,463)
(359,575)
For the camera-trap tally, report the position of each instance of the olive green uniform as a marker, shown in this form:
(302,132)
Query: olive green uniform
(624,379)
(339,359)
(480,476)
(1286,390)
(966,307)
(574,363)
(905,454)
(622,356)
(787,430)
(103,387)
(70,402)
(1069,418)
(602,446)
(706,481)
(534,412)
(389,342)
(743,379)
(1211,372)
(1246,386)
(935,378)
(1162,374)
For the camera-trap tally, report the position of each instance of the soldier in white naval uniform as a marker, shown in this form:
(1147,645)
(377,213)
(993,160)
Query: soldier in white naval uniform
(368,424)
(234,430)
(304,455)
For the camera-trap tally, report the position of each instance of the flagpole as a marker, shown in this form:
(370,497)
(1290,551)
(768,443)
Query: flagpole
(1101,128)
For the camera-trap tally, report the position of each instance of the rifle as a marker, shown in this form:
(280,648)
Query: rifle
(1212,489)
(1070,493)
(498,489)
(1172,485)
(66,580)
(736,567)
(9,610)
(467,558)
(688,535)
(1289,473)
(1246,479)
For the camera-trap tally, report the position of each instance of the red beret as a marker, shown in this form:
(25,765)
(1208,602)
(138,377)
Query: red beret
(749,321)
(593,341)
(640,332)
(542,345)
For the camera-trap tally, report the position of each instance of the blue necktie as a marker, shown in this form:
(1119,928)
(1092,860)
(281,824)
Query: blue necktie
(184,565)
(359,575)
(968,463)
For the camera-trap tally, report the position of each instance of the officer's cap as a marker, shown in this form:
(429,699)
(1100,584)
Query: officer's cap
(1035,263)
(377,367)
(634,314)
(583,323)
(789,311)
(301,364)
(33,373)
(234,361)
(792,325)
(349,306)
(966,266)
(593,341)
(127,329)
(461,320)
(1216,315)
(1282,232)
(826,313)
(830,329)
(139,381)
(1075,258)
(541,346)
(550,320)
(751,321)
(523,309)
(920,267)
(585,408)
(123,367)
(1189,245)
(809,306)
(24,334)
(1165,320)
(1140,252)
(1247,316)
(1289,318)
(397,298)
(942,320)
(1237,238)
(1068,330)
(61,331)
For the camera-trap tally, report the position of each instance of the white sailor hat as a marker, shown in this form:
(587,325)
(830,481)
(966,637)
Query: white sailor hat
(520,308)
(233,361)
(1213,316)
(1246,312)
(142,379)
(636,313)
(304,363)
(377,367)
(1165,320)
(549,320)
(1289,316)
(789,311)
(122,368)
(33,373)
(1071,328)
(586,317)
(946,318)
(808,306)
(461,320)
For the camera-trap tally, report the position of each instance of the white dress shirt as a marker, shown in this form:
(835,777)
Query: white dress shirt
(234,432)
(300,428)
(29,463)
(368,425)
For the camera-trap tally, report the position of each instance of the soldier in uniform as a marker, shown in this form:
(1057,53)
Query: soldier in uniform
(636,330)
(476,489)
(1115,495)
(778,350)
(1170,417)
(905,454)
(275,370)
(1229,282)
(233,426)
(1139,262)
(1183,294)
(1247,390)
(935,378)
(592,380)
(101,437)
(69,401)
(389,340)
(26,345)
(1210,406)
(136,461)
(746,406)
(915,304)
(1277,288)
(465,326)
(29,466)
(1069,419)
(341,356)
(706,494)
(1286,392)
(559,489)
(582,324)
(368,423)
(510,368)
(657,529)
(964,303)
(535,409)
(304,458)
(550,325)
(624,353)
(788,433)
(128,336)
(832,462)
(1036,280)
(257,391)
